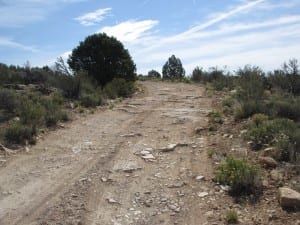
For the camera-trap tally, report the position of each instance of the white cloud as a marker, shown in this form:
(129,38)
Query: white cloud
(225,40)
(131,30)
(9,43)
(93,18)
(16,13)
(223,16)
(279,5)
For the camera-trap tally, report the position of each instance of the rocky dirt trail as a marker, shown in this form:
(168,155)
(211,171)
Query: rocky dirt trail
(137,163)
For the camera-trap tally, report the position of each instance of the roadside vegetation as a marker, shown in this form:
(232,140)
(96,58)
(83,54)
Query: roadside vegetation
(264,110)
(32,99)
(267,104)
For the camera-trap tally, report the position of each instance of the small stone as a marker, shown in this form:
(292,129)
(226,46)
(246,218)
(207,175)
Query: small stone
(177,185)
(225,187)
(202,194)
(199,178)
(103,179)
(112,201)
(172,207)
(270,152)
(209,214)
(148,156)
(145,152)
(276,175)
(169,148)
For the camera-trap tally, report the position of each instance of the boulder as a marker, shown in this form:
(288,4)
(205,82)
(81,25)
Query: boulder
(289,198)
(267,162)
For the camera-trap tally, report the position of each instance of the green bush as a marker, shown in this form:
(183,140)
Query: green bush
(281,133)
(119,88)
(248,108)
(284,106)
(258,119)
(53,112)
(228,101)
(31,112)
(231,217)
(241,176)
(215,117)
(57,98)
(19,133)
(8,100)
(267,131)
(90,100)
(197,74)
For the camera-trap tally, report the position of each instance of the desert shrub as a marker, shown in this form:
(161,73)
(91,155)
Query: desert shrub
(264,133)
(251,83)
(154,74)
(31,111)
(19,133)
(228,105)
(8,100)
(197,74)
(250,92)
(287,78)
(69,85)
(53,112)
(246,109)
(57,98)
(228,101)
(258,119)
(231,217)
(118,88)
(281,133)
(284,106)
(90,100)
(223,82)
(215,117)
(241,176)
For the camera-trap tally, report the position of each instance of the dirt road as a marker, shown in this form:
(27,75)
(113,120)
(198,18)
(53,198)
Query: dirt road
(137,163)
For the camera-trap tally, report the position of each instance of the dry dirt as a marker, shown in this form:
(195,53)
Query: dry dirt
(93,170)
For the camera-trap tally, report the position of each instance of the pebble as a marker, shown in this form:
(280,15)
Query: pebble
(202,194)
(199,178)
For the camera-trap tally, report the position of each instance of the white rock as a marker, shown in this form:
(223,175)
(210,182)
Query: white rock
(148,156)
(202,194)
(145,152)
(199,178)
(112,201)
(225,187)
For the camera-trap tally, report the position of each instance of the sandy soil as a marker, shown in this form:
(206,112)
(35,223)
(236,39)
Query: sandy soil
(93,171)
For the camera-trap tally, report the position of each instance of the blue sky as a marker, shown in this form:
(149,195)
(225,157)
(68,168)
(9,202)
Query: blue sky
(201,33)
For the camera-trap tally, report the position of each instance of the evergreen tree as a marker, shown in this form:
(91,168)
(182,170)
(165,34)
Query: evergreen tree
(103,58)
(173,69)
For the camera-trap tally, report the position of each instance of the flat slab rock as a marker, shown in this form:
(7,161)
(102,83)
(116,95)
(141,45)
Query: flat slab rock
(289,198)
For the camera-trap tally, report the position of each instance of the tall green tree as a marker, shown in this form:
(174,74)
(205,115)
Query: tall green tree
(173,69)
(103,58)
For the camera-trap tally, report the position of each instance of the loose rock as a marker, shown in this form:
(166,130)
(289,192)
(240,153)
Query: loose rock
(177,185)
(289,198)
(267,162)
(202,194)
(199,178)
